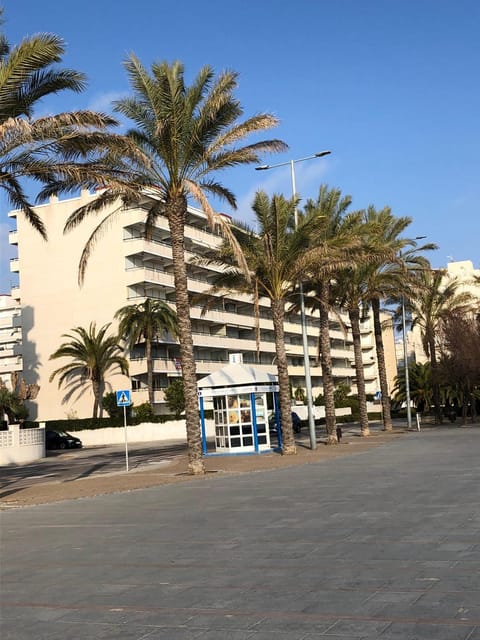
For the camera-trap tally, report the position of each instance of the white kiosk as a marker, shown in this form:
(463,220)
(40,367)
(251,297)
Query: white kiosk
(240,409)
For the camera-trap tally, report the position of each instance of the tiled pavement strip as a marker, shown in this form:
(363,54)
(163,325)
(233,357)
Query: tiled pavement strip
(383,543)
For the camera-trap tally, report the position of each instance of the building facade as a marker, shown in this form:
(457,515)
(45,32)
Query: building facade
(468,280)
(11,362)
(124,268)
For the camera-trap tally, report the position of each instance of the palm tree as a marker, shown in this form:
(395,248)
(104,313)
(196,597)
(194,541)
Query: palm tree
(11,404)
(92,355)
(334,238)
(275,253)
(389,278)
(62,152)
(434,300)
(146,322)
(188,134)
(349,291)
(420,385)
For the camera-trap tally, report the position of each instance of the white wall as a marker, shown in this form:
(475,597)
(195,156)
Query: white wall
(18,446)
(145,432)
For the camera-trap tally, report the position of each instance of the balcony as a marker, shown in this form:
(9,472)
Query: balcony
(14,265)
(11,364)
(140,275)
(138,366)
(139,396)
(11,336)
(11,322)
(13,237)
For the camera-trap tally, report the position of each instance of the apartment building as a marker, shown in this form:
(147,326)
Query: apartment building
(124,268)
(10,339)
(468,280)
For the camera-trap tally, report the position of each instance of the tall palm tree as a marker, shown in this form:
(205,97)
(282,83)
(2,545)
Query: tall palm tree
(275,252)
(188,134)
(61,152)
(146,322)
(349,291)
(388,278)
(92,355)
(334,238)
(434,299)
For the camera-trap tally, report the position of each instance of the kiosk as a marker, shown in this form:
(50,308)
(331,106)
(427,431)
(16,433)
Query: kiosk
(239,395)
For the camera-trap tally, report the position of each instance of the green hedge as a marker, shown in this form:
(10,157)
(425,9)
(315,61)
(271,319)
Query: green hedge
(102,423)
(98,423)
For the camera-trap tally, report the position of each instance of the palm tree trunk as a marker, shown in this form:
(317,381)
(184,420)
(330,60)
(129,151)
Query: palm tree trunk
(148,357)
(326,363)
(278,316)
(101,393)
(257,321)
(382,369)
(96,397)
(354,315)
(177,211)
(435,381)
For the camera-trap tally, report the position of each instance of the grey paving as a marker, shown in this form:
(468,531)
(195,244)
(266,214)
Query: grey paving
(379,545)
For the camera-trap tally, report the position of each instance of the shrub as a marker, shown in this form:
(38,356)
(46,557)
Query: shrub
(319,401)
(175,397)
(144,413)
(300,395)
(110,406)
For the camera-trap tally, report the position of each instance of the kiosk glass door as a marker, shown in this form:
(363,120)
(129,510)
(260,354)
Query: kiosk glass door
(234,427)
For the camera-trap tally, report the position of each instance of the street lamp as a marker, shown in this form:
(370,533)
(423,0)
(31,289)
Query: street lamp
(303,319)
(405,357)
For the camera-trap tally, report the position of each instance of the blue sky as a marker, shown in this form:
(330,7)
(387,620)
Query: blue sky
(392,88)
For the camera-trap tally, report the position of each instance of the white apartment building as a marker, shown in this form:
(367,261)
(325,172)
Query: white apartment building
(468,279)
(125,268)
(10,339)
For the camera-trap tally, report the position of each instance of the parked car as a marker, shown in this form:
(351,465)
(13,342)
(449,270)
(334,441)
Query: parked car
(61,440)
(296,422)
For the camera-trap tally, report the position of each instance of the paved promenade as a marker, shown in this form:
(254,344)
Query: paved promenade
(379,544)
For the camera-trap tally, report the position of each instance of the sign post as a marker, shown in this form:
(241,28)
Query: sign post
(124,400)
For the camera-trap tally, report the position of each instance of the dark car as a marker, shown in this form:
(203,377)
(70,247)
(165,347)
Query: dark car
(296,422)
(61,440)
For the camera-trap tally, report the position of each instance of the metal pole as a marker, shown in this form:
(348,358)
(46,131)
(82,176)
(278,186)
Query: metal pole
(407,373)
(125,430)
(306,357)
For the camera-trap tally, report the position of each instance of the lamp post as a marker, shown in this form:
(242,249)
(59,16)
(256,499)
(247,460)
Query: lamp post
(405,356)
(303,319)
(407,373)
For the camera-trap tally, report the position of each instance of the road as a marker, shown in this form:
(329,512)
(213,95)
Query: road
(68,465)
(81,463)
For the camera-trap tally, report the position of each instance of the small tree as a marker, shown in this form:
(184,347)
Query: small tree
(111,407)
(11,405)
(175,397)
(341,392)
(144,412)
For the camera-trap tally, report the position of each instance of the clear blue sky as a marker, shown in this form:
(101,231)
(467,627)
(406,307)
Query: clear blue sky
(392,88)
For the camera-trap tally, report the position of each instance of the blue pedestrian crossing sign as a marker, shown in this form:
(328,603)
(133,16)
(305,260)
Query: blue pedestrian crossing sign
(123,398)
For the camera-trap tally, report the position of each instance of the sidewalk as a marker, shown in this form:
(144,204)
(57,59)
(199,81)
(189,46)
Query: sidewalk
(377,539)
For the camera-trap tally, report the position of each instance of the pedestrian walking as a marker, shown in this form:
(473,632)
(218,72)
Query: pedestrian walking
(339,434)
